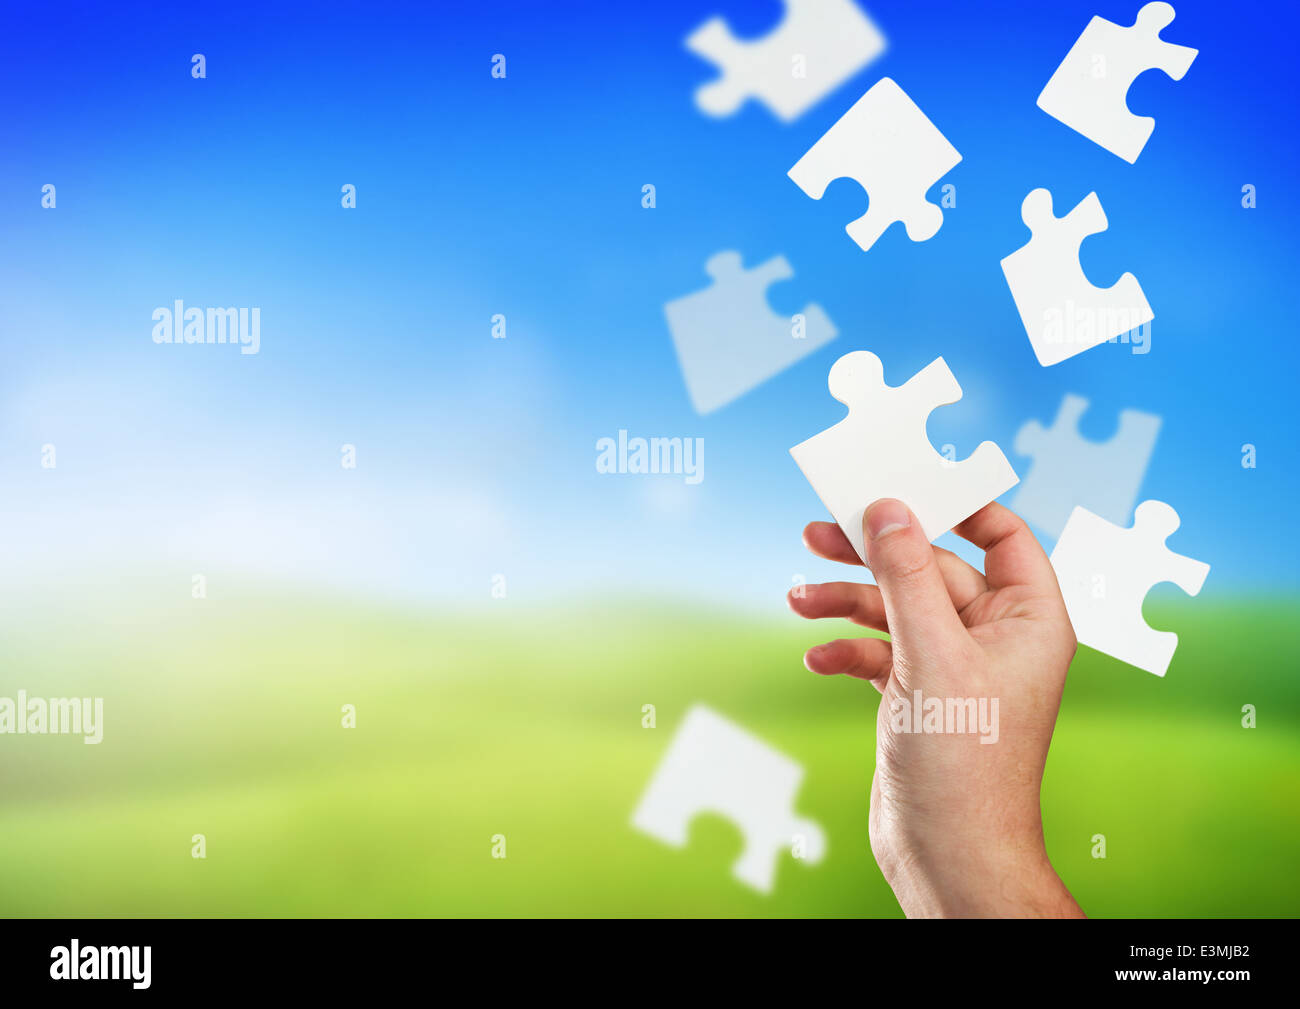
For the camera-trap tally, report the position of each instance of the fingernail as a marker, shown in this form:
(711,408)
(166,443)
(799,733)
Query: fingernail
(887,516)
(810,656)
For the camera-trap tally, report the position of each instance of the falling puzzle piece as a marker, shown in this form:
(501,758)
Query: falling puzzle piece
(1106,571)
(1089,90)
(1063,314)
(894,152)
(728,340)
(880,450)
(714,766)
(1068,469)
(818,45)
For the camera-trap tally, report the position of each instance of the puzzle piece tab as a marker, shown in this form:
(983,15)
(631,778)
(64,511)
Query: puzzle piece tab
(1069,469)
(1106,571)
(1089,90)
(715,766)
(729,340)
(818,45)
(894,152)
(880,450)
(1063,314)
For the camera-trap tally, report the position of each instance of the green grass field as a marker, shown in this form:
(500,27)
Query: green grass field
(223,718)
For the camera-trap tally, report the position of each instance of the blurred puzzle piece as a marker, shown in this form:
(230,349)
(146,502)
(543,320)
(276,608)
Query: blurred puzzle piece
(1105,572)
(714,766)
(1089,91)
(828,41)
(894,152)
(881,450)
(1069,470)
(729,340)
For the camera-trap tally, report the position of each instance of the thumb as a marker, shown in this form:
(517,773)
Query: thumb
(920,613)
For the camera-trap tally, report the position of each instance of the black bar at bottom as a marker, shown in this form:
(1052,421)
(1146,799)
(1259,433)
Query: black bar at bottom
(88,959)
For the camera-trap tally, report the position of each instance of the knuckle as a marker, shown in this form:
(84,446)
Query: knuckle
(863,615)
(858,605)
(1013,521)
(1070,645)
(906,564)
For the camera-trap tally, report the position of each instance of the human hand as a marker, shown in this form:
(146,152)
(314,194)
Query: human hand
(955,822)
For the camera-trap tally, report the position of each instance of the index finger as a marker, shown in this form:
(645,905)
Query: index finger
(1012,555)
(827,539)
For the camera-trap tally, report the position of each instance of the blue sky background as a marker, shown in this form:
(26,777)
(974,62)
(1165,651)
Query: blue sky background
(523,197)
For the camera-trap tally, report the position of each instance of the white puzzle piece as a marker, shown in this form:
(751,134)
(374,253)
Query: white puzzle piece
(1089,91)
(1063,314)
(894,152)
(880,450)
(818,45)
(715,766)
(729,340)
(1106,571)
(1069,470)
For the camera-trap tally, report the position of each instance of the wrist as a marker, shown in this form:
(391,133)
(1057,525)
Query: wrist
(997,879)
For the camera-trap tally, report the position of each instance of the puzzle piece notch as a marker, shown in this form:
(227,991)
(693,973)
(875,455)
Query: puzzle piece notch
(715,766)
(727,337)
(1063,313)
(1089,90)
(888,146)
(728,268)
(1069,469)
(834,38)
(1105,572)
(881,450)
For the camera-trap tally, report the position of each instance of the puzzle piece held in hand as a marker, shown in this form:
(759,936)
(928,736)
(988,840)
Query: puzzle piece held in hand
(818,45)
(728,340)
(1063,314)
(880,450)
(894,152)
(1069,470)
(1089,90)
(714,766)
(1106,571)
